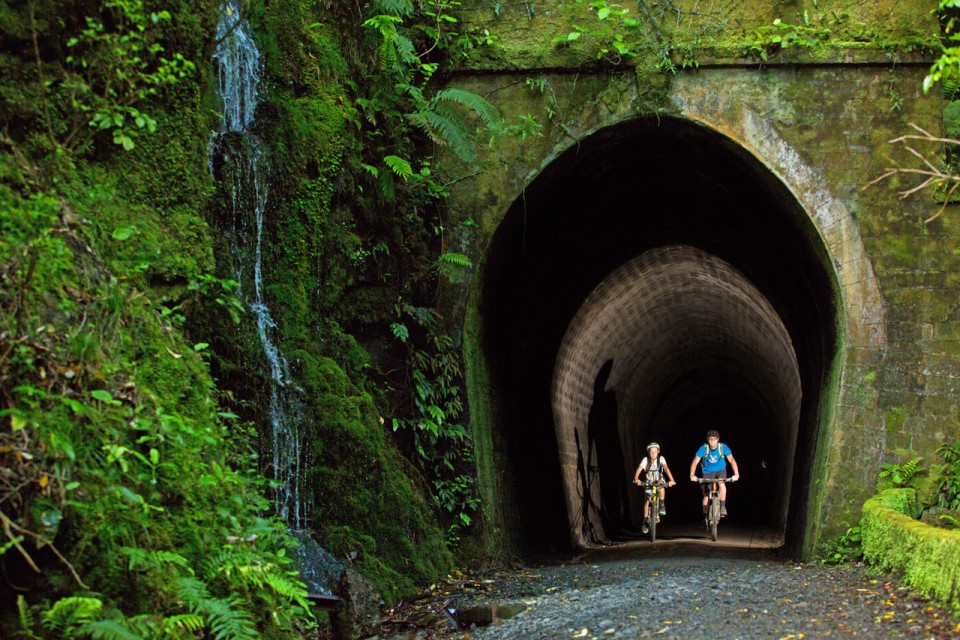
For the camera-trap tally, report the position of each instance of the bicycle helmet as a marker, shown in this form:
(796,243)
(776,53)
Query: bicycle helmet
(713,433)
(652,445)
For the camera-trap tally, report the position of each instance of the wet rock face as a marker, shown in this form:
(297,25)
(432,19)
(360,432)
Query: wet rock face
(358,615)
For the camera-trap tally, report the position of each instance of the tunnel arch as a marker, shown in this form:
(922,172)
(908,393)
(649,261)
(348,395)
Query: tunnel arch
(683,220)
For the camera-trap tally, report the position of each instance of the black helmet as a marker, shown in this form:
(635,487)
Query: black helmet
(713,433)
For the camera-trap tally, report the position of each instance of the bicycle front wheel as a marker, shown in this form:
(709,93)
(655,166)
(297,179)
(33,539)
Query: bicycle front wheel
(714,518)
(654,516)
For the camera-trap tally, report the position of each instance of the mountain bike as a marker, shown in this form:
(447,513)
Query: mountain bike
(652,490)
(712,517)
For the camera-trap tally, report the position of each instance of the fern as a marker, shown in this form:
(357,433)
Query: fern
(69,613)
(153,558)
(454,266)
(446,129)
(184,622)
(223,616)
(456,259)
(486,111)
(901,474)
(396,8)
(26,619)
(396,52)
(439,119)
(399,166)
(289,588)
(110,630)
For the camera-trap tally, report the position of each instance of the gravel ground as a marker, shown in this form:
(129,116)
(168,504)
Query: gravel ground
(684,592)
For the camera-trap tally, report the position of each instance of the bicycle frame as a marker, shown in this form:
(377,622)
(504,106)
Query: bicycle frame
(712,518)
(652,505)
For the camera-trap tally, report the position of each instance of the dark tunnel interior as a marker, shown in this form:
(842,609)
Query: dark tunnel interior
(654,281)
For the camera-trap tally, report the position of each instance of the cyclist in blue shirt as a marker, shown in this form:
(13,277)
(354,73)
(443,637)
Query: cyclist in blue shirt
(714,456)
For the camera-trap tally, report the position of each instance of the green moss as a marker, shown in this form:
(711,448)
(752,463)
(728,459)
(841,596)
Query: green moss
(893,540)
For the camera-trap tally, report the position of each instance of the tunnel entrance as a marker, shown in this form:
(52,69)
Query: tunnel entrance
(654,281)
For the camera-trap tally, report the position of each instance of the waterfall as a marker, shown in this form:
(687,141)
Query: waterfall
(237,158)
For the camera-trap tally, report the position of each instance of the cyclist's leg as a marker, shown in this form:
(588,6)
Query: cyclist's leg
(706,488)
(663,496)
(723,492)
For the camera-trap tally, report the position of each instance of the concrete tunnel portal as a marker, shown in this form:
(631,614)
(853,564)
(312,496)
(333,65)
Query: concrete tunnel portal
(653,281)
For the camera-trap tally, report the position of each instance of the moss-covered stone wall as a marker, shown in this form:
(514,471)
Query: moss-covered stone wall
(893,540)
(817,116)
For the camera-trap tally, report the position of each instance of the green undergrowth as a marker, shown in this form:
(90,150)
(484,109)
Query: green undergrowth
(106,405)
(130,500)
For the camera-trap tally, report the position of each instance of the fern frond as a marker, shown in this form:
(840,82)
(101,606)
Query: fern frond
(397,8)
(399,166)
(486,111)
(183,622)
(109,630)
(386,25)
(289,588)
(456,259)
(26,619)
(70,613)
(153,558)
(448,130)
(228,621)
(406,52)
(222,615)
(191,590)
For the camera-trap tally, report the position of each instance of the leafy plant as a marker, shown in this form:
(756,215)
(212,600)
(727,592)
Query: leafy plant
(948,490)
(115,63)
(613,21)
(769,39)
(845,548)
(440,441)
(406,72)
(899,475)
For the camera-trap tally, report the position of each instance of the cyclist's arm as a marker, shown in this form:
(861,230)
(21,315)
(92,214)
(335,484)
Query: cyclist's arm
(736,470)
(636,476)
(693,468)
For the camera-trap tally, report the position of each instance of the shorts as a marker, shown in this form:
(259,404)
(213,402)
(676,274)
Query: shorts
(705,487)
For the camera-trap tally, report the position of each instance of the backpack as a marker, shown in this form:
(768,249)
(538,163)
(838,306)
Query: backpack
(723,456)
(659,468)
(719,448)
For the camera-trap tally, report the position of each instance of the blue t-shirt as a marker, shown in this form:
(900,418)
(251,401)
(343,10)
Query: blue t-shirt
(711,459)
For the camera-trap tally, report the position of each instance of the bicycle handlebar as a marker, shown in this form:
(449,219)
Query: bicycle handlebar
(657,483)
(709,480)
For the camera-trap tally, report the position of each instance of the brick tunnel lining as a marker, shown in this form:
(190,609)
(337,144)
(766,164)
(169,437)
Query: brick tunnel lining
(621,192)
(672,315)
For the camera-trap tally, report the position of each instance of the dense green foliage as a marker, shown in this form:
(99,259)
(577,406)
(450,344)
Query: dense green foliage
(133,502)
(105,400)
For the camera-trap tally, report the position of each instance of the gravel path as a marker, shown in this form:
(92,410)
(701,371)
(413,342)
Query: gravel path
(689,593)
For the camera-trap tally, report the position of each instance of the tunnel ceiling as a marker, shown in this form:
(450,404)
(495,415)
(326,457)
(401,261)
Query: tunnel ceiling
(666,314)
(744,297)
(676,317)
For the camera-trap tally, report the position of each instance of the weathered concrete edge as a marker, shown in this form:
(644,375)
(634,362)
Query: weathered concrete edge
(928,556)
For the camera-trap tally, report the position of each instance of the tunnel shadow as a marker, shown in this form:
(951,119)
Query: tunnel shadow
(606,472)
